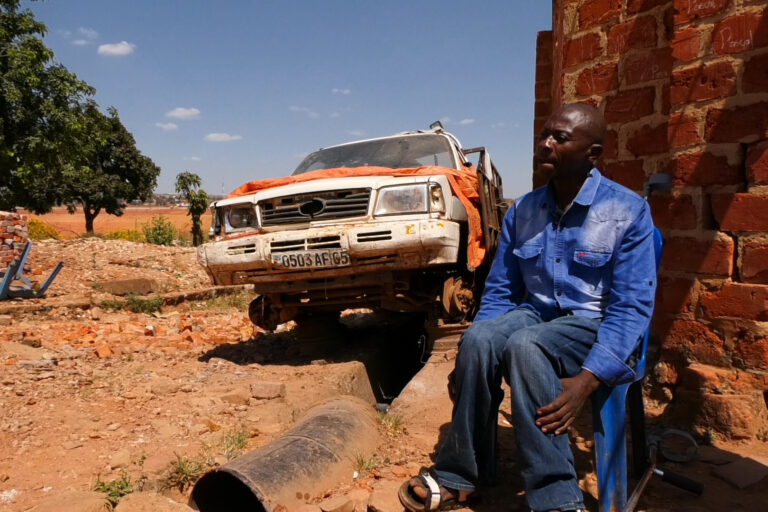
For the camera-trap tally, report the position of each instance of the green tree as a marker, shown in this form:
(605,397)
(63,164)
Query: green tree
(110,171)
(188,185)
(41,114)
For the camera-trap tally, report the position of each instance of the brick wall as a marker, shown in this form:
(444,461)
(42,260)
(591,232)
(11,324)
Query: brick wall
(683,85)
(13,234)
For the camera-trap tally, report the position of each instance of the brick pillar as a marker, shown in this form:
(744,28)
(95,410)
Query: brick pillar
(13,235)
(683,85)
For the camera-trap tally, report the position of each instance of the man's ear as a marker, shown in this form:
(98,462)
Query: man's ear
(595,150)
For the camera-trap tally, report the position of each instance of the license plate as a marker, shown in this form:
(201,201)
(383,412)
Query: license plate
(311,259)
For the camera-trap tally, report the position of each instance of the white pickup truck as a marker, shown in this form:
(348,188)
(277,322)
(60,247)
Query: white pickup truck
(400,223)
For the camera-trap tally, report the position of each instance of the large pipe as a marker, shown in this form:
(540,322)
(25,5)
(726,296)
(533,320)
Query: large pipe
(314,455)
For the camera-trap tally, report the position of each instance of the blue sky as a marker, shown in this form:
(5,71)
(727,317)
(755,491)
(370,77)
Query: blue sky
(240,90)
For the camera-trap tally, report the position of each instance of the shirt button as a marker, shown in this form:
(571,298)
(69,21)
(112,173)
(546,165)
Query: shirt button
(559,293)
(557,260)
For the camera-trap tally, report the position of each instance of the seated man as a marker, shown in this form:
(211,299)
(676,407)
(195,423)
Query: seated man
(568,296)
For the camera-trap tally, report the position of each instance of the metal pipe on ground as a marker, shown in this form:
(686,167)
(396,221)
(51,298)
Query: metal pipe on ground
(316,454)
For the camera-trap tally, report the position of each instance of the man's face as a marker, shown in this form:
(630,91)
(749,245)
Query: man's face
(565,148)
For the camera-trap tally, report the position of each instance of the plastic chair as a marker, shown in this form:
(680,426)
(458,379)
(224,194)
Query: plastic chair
(609,406)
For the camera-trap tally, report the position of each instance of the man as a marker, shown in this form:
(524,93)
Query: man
(568,296)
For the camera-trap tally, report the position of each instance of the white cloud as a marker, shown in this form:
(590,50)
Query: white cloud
(446,120)
(344,92)
(304,110)
(222,137)
(80,42)
(167,127)
(356,133)
(183,113)
(500,124)
(88,33)
(120,49)
(466,121)
(334,115)
(192,158)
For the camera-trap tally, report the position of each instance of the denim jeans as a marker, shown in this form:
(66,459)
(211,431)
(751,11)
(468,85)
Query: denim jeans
(532,355)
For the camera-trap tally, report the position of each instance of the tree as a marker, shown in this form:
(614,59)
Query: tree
(110,171)
(188,185)
(41,114)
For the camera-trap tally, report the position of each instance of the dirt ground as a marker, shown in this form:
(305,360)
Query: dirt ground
(95,395)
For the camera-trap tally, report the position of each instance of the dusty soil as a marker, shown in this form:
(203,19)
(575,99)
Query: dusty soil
(92,392)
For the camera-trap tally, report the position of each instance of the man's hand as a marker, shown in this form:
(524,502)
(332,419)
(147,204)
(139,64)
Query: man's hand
(558,415)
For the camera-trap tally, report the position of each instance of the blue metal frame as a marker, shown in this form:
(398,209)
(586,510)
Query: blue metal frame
(609,406)
(15,272)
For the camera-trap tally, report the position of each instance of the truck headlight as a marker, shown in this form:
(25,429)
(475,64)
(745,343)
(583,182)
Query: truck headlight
(436,199)
(241,216)
(402,199)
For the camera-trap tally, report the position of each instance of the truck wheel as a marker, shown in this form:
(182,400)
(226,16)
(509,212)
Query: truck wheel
(263,313)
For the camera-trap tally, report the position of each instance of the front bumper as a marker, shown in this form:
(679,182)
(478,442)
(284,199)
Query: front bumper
(371,247)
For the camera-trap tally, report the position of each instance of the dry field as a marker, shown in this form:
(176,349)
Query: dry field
(73,225)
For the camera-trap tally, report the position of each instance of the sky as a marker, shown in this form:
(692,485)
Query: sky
(236,90)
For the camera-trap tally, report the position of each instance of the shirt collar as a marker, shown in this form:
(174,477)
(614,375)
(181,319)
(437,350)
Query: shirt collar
(586,194)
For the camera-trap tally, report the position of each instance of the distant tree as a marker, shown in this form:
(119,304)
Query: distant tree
(188,185)
(110,170)
(41,114)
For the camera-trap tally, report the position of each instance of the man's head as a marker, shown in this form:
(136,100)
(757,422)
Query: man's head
(569,144)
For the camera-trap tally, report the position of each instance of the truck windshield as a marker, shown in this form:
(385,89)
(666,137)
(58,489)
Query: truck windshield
(394,152)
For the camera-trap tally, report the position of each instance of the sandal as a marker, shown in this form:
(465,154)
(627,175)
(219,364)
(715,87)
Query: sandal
(434,500)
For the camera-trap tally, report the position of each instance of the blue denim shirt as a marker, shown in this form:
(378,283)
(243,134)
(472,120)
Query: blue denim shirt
(594,260)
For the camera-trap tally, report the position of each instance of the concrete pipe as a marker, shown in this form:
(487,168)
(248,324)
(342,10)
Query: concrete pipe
(316,454)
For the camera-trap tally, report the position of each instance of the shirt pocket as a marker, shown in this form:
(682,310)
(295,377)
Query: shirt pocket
(529,259)
(591,271)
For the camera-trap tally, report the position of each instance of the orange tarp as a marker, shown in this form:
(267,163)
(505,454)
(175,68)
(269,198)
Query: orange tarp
(463,183)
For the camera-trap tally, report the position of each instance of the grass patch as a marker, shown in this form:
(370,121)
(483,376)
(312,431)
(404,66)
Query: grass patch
(239,301)
(183,473)
(159,231)
(233,444)
(112,305)
(138,305)
(39,230)
(391,423)
(365,464)
(131,235)
(116,489)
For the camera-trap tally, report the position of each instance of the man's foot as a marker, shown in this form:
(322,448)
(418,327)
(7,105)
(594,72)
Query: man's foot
(423,493)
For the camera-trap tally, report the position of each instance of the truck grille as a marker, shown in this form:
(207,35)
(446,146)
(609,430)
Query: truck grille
(332,204)
(306,244)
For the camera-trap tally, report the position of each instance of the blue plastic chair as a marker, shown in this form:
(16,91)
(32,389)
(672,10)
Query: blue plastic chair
(609,406)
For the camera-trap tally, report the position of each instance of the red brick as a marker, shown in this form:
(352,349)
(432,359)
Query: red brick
(686,44)
(597,79)
(755,76)
(637,6)
(582,49)
(650,65)
(740,33)
(542,108)
(544,46)
(649,140)
(704,169)
(677,294)
(741,212)
(689,10)
(737,300)
(754,262)
(683,131)
(747,123)
(630,105)
(673,211)
(543,90)
(689,339)
(638,33)
(754,353)
(630,174)
(707,82)
(597,12)
(707,257)
(757,163)
(611,145)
